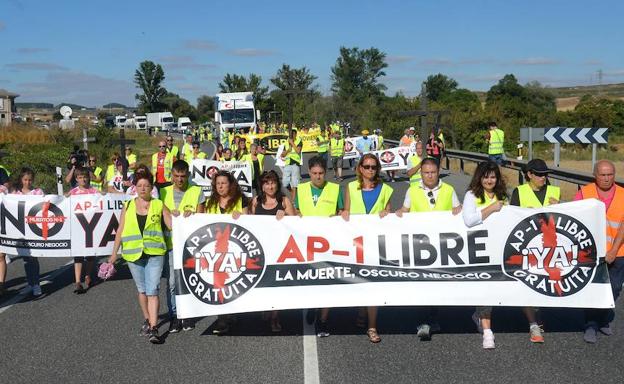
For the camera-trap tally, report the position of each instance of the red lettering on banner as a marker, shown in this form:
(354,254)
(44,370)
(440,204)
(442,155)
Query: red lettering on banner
(312,249)
(291,251)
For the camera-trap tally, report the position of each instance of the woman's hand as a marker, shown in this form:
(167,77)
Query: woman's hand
(236,215)
(345,215)
(175,213)
(383,214)
(279,215)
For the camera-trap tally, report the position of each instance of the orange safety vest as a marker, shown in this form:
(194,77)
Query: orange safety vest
(615,213)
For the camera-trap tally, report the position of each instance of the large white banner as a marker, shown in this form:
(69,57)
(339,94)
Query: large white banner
(396,158)
(551,257)
(57,226)
(202,171)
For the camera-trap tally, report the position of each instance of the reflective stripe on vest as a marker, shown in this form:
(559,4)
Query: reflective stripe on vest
(357,201)
(189,202)
(497,137)
(327,203)
(528,199)
(216,210)
(152,242)
(167,165)
(416,177)
(337,147)
(420,200)
(615,213)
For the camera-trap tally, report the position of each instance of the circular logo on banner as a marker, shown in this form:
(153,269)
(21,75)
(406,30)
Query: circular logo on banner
(551,253)
(221,262)
(348,146)
(45,219)
(387,157)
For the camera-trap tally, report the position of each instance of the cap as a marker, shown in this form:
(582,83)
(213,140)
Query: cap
(365,132)
(412,128)
(537,166)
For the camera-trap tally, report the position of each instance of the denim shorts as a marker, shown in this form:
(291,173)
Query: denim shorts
(146,273)
(291,176)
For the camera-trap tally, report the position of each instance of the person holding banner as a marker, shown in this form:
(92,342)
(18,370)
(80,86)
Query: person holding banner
(118,183)
(415,160)
(318,197)
(292,159)
(141,237)
(132,192)
(241,149)
(536,193)
(271,201)
(83,188)
(197,153)
(368,195)
(110,171)
(431,194)
(181,199)
(364,144)
(487,193)
(612,195)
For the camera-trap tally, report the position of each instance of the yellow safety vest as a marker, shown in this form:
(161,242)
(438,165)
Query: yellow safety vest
(132,159)
(327,203)
(337,147)
(216,210)
(487,201)
(248,159)
(189,202)
(97,172)
(152,241)
(110,172)
(168,164)
(187,151)
(527,197)
(420,200)
(293,157)
(380,142)
(416,177)
(357,202)
(174,151)
(497,137)
(322,143)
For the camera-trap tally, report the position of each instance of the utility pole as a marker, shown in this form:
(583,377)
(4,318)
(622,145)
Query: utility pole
(423,118)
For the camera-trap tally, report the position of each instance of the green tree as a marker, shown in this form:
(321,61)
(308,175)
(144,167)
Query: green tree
(439,87)
(149,78)
(294,92)
(179,106)
(205,107)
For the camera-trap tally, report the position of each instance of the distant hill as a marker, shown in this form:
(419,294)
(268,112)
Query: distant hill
(608,90)
(113,105)
(34,105)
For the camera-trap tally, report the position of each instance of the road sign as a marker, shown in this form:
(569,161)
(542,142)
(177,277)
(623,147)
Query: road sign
(576,135)
(537,134)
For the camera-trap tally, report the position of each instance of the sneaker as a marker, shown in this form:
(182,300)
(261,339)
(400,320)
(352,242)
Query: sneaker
(36,290)
(606,330)
(488,340)
(154,338)
(145,328)
(321,329)
(310,316)
(590,336)
(477,321)
(175,325)
(536,334)
(221,327)
(424,332)
(188,325)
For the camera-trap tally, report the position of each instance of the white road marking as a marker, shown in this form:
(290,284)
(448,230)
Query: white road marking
(310,353)
(26,291)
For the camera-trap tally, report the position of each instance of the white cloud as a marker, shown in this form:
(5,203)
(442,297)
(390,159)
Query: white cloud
(252,52)
(35,67)
(201,45)
(28,50)
(435,62)
(535,61)
(398,59)
(174,62)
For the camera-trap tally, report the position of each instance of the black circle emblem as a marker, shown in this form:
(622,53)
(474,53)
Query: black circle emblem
(221,262)
(348,146)
(387,157)
(45,219)
(551,253)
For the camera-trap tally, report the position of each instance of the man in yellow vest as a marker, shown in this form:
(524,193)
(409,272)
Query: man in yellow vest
(97,177)
(173,149)
(181,199)
(292,158)
(535,194)
(132,159)
(322,144)
(336,149)
(162,161)
(612,195)
(415,161)
(431,194)
(187,149)
(318,197)
(496,141)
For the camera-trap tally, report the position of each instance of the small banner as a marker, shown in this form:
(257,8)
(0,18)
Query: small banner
(202,171)
(350,151)
(57,226)
(396,158)
(551,257)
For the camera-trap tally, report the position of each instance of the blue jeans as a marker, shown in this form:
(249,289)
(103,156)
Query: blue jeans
(169,274)
(498,159)
(146,273)
(31,267)
(602,317)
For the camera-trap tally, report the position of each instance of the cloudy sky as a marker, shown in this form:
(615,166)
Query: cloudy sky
(86,52)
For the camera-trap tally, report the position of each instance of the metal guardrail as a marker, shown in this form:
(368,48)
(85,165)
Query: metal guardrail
(562,174)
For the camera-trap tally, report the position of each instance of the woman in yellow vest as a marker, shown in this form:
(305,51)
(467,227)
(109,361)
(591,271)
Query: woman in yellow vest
(487,193)
(536,193)
(197,153)
(368,194)
(226,197)
(256,160)
(141,236)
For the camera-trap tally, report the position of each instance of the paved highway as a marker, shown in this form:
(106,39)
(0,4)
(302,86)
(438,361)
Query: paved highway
(62,337)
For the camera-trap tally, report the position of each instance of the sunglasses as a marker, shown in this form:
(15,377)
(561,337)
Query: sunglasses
(162,146)
(91,160)
(169,140)
(431,199)
(368,167)
(195,147)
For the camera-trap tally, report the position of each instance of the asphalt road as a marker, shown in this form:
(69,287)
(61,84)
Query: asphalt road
(62,337)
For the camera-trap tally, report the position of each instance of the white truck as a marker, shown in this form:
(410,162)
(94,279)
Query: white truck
(161,121)
(236,111)
(140,123)
(184,124)
(120,121)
